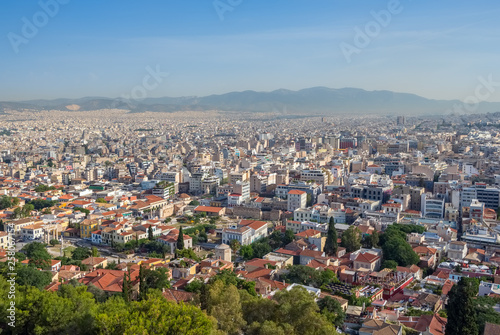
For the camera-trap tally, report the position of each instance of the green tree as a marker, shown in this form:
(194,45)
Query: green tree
(224,305)
(195,286)
(462,318)
(332,310)
(111,265)
(331,245)
(17,213)
(180,239)
(375,239)
(230,278)
(37,254)
(27,209)
(399,250)
(40,204)
(20,256)
(29,275)
(235,245)
(276,239)
(150,233)
(54,242)
(297,308)
(289,237)
(202,236)
(5,202)
(126,289)
(94,252)
(261,248)
(143,289)
(246,251)
(157,279)
(101,200)
(70,311)
(305,275)
(485,311)
(80,253)
(83,210)
(187,253)
(153,315)
(351,239)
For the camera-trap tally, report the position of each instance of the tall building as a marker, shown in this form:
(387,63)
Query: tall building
(296,199)
(432,207)
(490,196)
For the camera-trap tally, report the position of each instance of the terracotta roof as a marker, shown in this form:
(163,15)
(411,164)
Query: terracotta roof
(259,262)
(308,233)
(491,328)
(366,258)
(209,209)
(252,224)
(296,192)
(108,280)
(435,323)
(177,296)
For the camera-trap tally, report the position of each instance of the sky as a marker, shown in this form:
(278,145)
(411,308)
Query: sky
(71,49)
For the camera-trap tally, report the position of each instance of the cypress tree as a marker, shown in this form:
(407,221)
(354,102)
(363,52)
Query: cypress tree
(461,311)
(125,288)
(331,245)
(142,283)
(150,233)
(180,240)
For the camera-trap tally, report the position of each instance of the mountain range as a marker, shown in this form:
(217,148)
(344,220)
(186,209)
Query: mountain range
(315,101)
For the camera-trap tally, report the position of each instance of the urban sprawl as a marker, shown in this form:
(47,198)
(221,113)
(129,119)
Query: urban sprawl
(381,217)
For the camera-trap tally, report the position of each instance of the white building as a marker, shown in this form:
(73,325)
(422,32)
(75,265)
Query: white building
(457,250)
(32,232)
(246,232)
(296,199)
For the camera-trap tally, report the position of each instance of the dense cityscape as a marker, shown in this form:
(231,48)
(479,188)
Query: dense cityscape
(233,167)
(368,224)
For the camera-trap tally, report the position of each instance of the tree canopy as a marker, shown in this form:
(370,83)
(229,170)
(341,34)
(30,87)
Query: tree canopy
(351,239)
(37,254)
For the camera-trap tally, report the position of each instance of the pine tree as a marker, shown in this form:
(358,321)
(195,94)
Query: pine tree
(331,245)
(180,240)
(461,310)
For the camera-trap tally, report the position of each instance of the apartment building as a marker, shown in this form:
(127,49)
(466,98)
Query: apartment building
(5,240)
(296,199)
(490,196)
(87,227)
(32,232)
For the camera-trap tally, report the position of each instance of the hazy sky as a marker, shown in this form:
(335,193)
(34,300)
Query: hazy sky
(437,49)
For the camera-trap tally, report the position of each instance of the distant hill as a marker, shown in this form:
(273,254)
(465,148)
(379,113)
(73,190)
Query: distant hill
(310,101)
